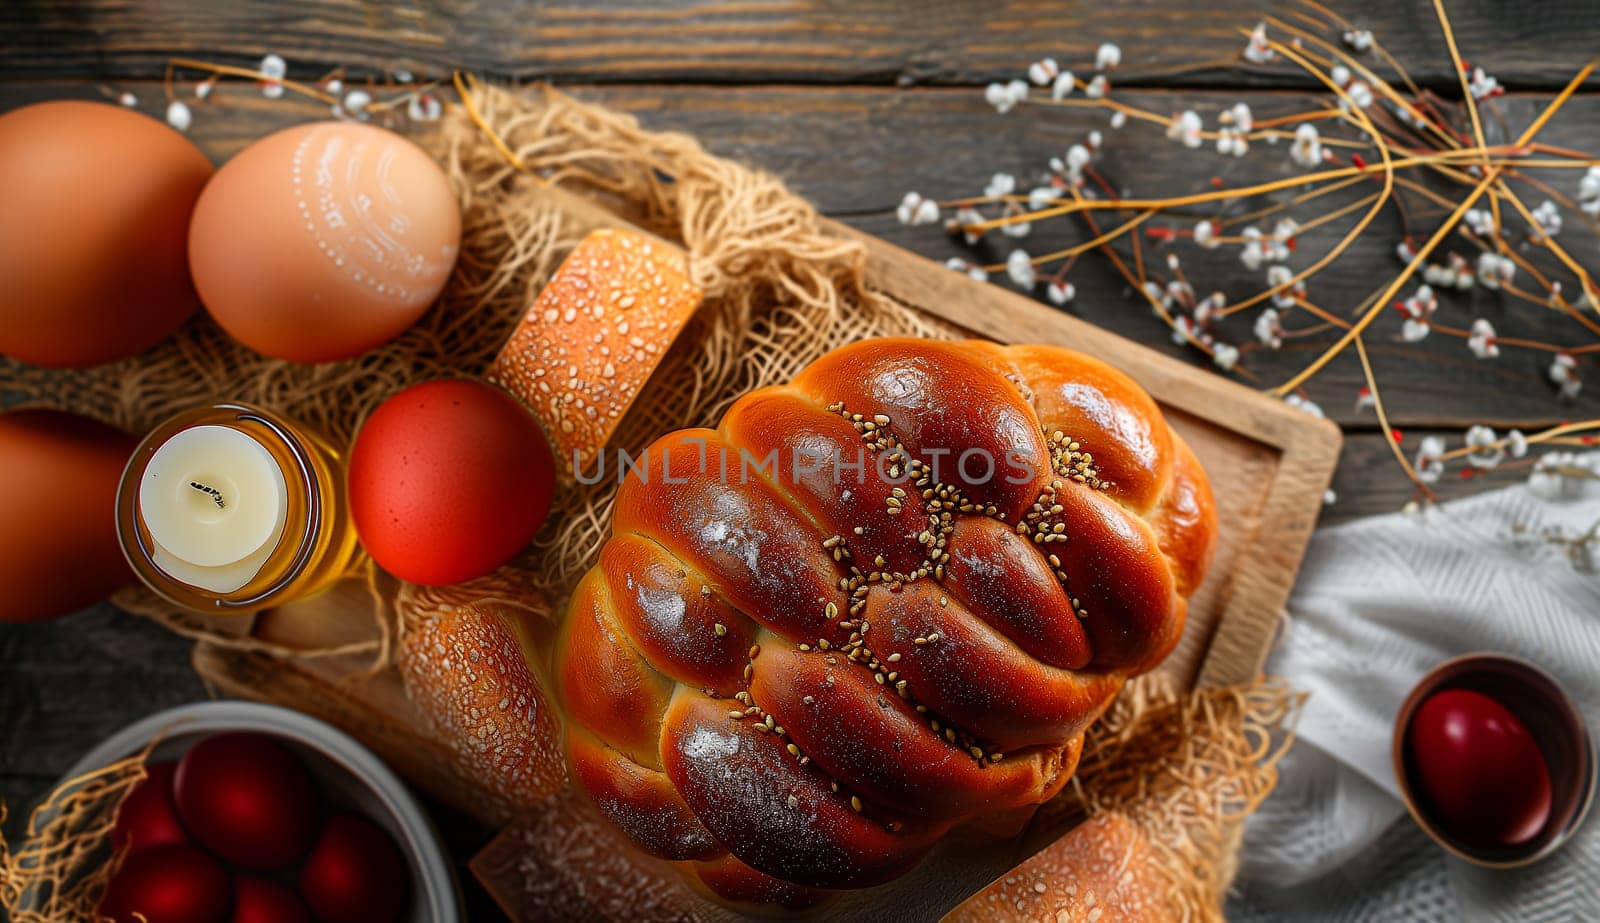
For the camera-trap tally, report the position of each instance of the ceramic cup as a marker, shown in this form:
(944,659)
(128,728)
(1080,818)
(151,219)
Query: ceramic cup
(1556,725)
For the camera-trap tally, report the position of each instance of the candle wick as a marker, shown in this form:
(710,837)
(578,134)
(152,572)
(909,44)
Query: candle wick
(215,493)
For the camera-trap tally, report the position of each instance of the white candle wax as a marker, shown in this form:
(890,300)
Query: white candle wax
(215,503)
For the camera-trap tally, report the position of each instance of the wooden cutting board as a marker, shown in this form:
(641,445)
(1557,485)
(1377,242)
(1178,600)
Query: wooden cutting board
(1269,464)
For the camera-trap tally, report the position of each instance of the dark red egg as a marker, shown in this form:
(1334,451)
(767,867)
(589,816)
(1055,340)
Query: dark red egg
(258,900)
(1481,773)
(148,816)
(355,874)
(169,884)
(247,799)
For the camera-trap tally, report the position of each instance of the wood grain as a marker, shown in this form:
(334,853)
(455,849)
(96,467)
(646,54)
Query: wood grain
(883,42)
(854,152)
(68,683)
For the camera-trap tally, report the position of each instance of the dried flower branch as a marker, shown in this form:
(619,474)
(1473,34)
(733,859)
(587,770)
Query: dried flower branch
(397,94)
(1428,161)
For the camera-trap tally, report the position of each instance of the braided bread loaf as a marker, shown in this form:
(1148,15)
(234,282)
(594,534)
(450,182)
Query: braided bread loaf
(873,605)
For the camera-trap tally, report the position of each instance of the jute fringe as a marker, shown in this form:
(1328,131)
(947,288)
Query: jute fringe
(61,869)
(1188,768)
(781,291)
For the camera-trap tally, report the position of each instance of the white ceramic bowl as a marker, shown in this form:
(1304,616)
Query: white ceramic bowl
(348,773)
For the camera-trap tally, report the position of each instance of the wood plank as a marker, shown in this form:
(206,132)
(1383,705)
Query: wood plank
(68,683)
(1166,42)
(879,144)
(855,152)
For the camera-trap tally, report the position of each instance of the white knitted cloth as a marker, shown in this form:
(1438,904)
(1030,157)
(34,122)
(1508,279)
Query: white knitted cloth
(1379,602)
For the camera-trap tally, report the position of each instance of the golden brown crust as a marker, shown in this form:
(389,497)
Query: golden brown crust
(640,801)
(735,779)
(1103,871)
(732,880)
(594,336)
(467,671)
(834,657)
(1187,519)
(611,690)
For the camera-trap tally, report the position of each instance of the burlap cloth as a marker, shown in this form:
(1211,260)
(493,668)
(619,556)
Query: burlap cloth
(780,291)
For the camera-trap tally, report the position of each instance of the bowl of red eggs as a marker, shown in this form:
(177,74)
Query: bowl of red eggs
(252,813)
(1493,760)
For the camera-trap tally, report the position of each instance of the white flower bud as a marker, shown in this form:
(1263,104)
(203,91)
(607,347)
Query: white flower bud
(1482,341)
(1000,184)
(356,103)
(1257,49)
(1062,86)
(1427,462)
(1061,293)
(1487,453)
(424,107)
(179,116)
(1268,330)
(272,69)
(1020,268)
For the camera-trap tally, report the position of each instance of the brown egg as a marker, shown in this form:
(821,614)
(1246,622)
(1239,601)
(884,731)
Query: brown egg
(94,220)
(325,240)
(58,490)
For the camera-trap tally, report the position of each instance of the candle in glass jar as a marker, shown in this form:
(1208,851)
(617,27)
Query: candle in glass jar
(215,502)
(232,509)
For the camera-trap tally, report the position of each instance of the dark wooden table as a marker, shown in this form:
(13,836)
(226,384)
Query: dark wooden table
(853,103)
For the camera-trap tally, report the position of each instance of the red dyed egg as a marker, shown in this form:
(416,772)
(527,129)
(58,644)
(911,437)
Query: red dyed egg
(148,816)
(1480,771)
(355,874)
(248,799)
(257,900)
(169,884)
(448,480)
